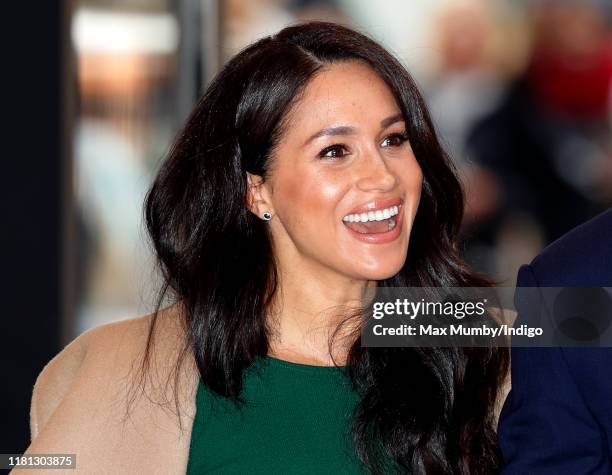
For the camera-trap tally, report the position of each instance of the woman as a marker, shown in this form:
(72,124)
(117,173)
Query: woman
(308,174)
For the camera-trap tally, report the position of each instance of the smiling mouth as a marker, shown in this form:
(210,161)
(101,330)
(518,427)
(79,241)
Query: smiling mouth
(373,222)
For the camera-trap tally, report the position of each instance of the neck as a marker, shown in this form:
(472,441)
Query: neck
(310,304)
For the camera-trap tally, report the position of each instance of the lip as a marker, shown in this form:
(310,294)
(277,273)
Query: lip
(381,238)
(376,205)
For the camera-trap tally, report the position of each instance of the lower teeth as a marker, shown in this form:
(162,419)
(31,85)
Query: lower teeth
(391,224)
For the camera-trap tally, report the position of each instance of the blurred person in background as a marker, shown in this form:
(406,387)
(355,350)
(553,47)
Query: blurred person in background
(547,144)
(245,22)
(466,86)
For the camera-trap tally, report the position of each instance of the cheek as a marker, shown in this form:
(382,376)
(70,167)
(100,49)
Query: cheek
(411,178)
(307,198)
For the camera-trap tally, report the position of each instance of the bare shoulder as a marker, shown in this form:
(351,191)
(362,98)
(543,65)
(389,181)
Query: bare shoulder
(96,353)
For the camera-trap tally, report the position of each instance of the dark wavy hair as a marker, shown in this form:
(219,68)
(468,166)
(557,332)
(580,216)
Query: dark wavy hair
(430,410)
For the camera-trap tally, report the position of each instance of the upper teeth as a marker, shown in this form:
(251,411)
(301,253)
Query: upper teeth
(377,215)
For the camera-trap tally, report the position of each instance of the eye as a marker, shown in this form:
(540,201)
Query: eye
(397,139)
(333,151)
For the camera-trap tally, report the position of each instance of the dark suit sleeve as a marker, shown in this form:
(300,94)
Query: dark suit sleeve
(545,427)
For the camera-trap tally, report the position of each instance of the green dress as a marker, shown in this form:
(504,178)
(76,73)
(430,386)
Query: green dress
(296,421)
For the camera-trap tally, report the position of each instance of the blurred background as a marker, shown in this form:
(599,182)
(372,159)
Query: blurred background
(519,91)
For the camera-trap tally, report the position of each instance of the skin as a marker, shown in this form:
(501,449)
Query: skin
(321,265)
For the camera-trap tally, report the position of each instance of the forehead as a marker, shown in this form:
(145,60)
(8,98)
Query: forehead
(342,93)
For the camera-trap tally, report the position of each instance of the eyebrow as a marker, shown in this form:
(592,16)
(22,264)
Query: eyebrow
(347,130)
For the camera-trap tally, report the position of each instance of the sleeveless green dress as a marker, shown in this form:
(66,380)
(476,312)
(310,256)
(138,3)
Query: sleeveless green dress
(296,421)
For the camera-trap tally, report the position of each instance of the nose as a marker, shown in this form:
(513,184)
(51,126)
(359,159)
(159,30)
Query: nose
(375,174)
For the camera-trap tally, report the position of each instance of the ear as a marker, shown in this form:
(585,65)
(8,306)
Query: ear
(257,197)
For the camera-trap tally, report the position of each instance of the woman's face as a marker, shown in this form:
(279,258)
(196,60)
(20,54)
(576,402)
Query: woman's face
(344,184)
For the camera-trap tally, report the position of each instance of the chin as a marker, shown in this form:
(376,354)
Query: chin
(381,265)
(379,272)
(382,275)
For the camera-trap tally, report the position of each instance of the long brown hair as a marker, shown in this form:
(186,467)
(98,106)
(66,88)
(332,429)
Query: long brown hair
(430,410)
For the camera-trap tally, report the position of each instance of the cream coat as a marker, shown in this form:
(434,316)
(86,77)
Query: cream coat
(78,401)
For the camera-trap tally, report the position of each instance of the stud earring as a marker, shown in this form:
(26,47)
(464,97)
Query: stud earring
(267,216)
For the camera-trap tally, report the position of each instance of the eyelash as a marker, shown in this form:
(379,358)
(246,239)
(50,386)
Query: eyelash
(402,136)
